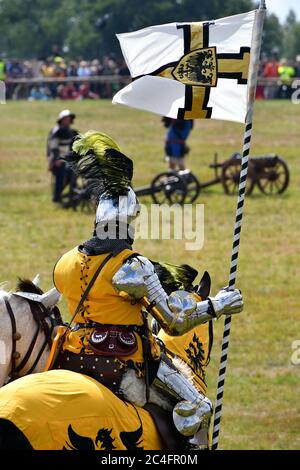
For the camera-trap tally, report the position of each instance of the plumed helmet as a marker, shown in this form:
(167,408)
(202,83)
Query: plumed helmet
(98,159)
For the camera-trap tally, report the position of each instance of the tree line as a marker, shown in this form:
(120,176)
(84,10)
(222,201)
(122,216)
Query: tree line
(87,28)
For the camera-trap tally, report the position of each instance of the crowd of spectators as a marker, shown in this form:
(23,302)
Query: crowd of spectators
(276,77)
(57,67)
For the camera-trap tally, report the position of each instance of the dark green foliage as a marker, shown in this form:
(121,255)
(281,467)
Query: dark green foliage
(273,36)
(87,28)
(29,28)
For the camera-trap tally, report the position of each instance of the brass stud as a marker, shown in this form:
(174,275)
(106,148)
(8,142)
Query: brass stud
(17,336)
(16,355)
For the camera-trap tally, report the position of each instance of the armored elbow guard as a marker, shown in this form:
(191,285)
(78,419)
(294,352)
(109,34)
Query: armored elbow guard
(177,313)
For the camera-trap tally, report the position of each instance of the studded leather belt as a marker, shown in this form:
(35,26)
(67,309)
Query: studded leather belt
(104,369)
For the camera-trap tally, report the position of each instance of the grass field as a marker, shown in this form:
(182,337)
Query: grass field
(261,408)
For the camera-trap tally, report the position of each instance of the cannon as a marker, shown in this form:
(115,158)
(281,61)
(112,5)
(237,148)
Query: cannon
(77,196)
(269,173)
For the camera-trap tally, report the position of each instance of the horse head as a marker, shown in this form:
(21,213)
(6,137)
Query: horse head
(28,318)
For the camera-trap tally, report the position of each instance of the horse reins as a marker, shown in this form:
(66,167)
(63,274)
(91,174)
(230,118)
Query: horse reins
(40,314)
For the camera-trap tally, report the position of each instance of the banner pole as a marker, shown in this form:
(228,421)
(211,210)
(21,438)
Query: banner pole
(254,66)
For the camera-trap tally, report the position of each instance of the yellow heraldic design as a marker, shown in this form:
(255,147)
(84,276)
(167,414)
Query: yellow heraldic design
(61,409)
(198,68)
(193,348)
(201,67)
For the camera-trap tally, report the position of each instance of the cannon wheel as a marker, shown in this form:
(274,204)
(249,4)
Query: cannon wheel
(193,186)
(274,180)
(230,177)
(168,187)
(76,196)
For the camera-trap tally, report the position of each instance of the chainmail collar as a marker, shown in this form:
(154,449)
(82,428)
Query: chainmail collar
(95,246)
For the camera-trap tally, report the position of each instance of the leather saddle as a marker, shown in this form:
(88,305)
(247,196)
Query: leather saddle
(171,438)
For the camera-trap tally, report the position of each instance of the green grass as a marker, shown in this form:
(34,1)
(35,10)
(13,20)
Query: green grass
(261,406)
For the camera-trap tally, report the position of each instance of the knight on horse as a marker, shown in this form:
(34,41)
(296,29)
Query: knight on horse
(110,289)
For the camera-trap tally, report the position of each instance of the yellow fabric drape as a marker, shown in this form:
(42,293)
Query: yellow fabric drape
(63,409)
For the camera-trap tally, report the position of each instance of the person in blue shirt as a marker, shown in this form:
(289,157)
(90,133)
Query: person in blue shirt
(175,145)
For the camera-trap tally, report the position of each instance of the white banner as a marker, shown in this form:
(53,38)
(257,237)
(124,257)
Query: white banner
(190,70)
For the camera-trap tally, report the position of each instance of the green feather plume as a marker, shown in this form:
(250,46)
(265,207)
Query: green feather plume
(97,158)
(173,277)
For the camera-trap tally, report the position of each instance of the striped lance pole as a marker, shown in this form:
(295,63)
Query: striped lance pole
(254,64)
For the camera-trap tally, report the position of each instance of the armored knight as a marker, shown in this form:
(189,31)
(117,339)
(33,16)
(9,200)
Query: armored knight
(110,289)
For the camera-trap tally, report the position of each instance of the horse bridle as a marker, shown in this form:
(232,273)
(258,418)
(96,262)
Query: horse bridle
(40,314)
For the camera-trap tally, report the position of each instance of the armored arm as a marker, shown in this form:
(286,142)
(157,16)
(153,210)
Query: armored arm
(179,312)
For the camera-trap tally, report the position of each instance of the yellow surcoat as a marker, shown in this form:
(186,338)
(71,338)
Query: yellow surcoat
(104,304)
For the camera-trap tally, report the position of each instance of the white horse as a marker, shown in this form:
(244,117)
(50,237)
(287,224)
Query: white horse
(27,322)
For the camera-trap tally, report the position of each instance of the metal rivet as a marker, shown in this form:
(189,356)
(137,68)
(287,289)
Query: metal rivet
(107,361)
(101,375)
(81,367)
(114,383)
(81,358)
(94,367)
(96,359)
(115,370)
(68,358)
